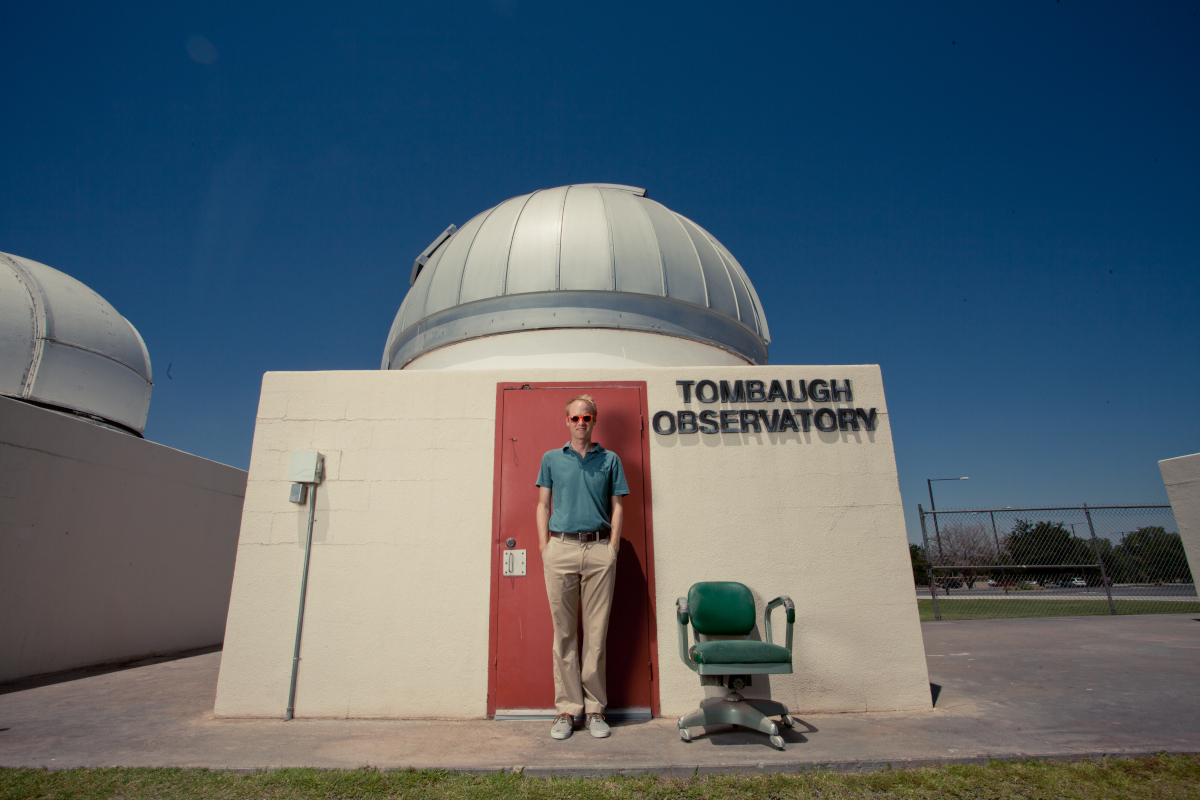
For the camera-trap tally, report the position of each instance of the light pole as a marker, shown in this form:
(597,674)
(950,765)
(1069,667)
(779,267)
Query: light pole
(933,507)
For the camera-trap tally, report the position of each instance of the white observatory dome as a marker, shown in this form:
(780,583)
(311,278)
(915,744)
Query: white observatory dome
(62,345)
(594,270)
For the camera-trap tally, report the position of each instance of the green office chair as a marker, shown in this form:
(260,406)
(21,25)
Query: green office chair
(725,608)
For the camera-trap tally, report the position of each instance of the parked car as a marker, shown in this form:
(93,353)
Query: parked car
(1078,582)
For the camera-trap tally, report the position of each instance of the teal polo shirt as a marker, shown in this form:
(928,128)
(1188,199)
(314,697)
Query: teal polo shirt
(581,487)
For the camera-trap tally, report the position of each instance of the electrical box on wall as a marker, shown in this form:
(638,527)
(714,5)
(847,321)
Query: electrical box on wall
(299,493)
(308,466)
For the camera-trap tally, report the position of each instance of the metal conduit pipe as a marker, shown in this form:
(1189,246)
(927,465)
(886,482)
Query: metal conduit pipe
(307,470)
(312,509)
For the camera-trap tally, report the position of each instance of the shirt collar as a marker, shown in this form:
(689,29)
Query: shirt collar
(598,448)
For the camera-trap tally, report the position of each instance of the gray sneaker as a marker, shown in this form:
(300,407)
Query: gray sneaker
(598,727)
(563,727)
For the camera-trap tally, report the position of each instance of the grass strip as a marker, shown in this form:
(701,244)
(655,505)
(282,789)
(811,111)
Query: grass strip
(986,608)
(1161,777)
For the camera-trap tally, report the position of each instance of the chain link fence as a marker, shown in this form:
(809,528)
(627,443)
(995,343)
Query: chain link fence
(1052,562)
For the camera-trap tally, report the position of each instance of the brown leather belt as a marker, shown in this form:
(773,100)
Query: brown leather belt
(583,536)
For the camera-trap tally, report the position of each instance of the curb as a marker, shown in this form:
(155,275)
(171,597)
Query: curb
(692,770)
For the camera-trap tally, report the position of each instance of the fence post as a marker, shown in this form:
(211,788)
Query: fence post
(1099,561)
(999,556)
(937,611)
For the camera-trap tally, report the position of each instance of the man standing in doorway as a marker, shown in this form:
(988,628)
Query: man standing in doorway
(579,544)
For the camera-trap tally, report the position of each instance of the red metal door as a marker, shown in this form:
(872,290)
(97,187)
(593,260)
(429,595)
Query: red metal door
(530,420)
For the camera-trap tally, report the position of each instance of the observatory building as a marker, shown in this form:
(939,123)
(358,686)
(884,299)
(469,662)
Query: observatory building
(424,595)
(112,547)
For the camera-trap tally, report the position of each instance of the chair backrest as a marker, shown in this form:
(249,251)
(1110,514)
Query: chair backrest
(721,608)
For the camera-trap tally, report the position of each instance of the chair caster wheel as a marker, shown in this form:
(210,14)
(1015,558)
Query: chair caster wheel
(685,734)
(777,742)
(787,721)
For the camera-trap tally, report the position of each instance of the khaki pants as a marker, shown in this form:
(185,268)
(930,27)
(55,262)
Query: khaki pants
(577,571)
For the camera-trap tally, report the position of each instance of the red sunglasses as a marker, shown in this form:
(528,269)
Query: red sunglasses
(585,418)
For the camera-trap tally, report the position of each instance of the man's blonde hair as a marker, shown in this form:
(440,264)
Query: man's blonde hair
(587,398)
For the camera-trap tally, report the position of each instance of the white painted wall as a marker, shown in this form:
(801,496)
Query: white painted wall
(576,348)
(1182,479)
(398,598)
(111,547)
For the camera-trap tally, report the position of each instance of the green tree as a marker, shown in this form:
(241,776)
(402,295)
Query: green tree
(1046,543)
(919,566)
(1150,555)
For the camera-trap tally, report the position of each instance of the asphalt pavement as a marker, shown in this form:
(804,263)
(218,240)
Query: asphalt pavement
(1048,688)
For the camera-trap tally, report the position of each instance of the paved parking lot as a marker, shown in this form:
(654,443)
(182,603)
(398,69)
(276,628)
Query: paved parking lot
(1004,688)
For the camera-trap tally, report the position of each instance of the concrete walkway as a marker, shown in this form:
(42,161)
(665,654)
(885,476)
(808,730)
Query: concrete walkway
(1005,688)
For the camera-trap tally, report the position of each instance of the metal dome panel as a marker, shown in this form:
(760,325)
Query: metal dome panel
(681,274)
(585,257)
(635,248)
(17,333)
(65,346)
(487,262)
(717,280)
(535,243)
(737,270)
(588,252)
(446,280)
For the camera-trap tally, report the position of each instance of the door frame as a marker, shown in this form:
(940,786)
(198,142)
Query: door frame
(494,594)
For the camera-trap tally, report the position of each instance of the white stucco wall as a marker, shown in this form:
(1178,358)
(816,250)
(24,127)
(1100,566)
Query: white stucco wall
(1182,479)
(111,547)
(398,597)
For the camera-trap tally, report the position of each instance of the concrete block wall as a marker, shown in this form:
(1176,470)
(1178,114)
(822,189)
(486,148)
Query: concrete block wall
(1181,476)
(111,547)
(398,594)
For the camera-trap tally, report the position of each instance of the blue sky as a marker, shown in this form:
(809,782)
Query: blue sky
(998,203)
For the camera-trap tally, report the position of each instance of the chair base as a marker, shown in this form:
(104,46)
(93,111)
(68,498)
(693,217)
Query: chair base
(734,709)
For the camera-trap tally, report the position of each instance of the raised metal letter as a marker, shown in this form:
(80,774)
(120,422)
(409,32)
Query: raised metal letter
(823,412)
(737,395)
(670,422)
(749,418)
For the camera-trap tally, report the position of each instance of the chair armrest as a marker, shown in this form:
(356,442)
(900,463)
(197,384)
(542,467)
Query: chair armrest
(682,617)
(786,602)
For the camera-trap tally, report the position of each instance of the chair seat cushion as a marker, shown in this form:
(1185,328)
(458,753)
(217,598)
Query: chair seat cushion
(739,651)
